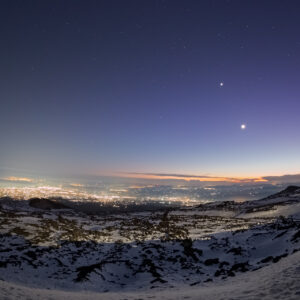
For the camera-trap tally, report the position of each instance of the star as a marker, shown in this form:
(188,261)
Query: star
(221,83)
(243,126)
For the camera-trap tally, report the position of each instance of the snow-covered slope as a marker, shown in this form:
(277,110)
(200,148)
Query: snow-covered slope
(285,203)
(149,253)
(275,281)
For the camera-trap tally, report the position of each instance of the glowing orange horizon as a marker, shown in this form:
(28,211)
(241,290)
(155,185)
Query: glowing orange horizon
(192,178)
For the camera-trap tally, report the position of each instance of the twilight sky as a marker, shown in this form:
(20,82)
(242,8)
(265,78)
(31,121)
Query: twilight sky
(135,86)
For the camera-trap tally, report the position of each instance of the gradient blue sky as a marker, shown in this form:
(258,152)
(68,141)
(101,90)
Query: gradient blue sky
(134,86)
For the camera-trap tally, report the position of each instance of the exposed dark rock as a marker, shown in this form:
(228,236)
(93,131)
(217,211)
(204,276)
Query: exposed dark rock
(241,267)
(220,272)
(31,254)
(195,283)
(211,261)
(267,259)
(223,263)
(280,234)
(189,250)
(3,264)
(279,257)
(296,236)
(148,265)
(236,251)
(47,204)
(83,272)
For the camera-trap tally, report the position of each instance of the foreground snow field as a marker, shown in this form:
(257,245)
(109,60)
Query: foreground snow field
(276,281)
(222,250)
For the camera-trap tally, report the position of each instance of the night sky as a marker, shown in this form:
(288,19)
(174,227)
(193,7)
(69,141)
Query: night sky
(150,86)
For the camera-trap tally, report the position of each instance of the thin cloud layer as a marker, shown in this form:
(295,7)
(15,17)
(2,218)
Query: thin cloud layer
(163,176)
(17,179)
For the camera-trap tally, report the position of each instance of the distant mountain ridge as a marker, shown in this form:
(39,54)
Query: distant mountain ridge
(291,190)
